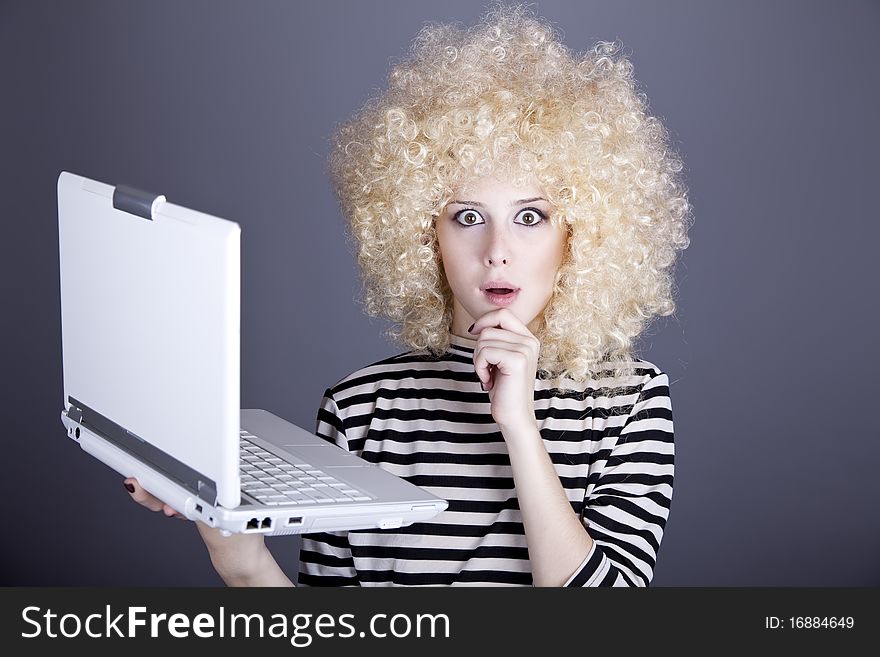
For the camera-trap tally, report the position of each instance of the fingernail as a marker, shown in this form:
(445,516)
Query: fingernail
(129,487)
(483,386)
(471,329)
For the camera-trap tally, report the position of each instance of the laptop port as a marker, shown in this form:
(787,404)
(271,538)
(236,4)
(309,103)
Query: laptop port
(267,522)
(198,508)
(253,523)
(296,520)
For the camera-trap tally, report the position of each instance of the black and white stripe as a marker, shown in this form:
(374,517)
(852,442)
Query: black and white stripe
(426,419)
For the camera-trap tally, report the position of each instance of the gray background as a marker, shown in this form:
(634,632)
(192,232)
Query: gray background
(228,107)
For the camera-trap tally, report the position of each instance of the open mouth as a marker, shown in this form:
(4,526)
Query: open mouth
(501,295)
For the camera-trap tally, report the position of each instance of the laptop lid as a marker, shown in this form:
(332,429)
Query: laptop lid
(150,318)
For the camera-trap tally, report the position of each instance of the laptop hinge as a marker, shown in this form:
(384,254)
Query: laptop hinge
(135,201)
(74,413)
(195,482)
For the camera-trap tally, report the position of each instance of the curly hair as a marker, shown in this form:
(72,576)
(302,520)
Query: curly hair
(505,98)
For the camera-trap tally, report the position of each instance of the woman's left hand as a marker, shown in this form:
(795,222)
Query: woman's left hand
(506,361)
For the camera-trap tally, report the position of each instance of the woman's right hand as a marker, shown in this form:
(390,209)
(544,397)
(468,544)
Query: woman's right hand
(240,559)
(140,495)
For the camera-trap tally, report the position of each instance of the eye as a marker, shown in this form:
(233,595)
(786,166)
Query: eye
(468,217)
(531,217)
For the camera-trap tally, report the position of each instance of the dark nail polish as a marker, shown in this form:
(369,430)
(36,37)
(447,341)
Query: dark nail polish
(129,487)
(471,329)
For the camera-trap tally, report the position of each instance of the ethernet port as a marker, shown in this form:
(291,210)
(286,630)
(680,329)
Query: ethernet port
(267,523)
(253,523)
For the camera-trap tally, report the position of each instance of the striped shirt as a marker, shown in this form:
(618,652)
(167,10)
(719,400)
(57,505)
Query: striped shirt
(426,419)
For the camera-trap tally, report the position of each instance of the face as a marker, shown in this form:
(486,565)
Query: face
(494,235)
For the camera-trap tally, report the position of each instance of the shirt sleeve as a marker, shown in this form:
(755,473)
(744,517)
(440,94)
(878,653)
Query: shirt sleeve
(626,512)
(325,558)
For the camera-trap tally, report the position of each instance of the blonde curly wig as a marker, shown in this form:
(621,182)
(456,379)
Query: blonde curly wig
(506,98)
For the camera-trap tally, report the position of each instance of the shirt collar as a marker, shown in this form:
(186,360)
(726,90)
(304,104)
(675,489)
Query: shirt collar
(462,345)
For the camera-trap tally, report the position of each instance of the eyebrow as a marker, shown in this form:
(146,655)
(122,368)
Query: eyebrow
(521,201)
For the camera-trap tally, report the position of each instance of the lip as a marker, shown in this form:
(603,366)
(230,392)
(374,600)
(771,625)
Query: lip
(499,284)
(501,299)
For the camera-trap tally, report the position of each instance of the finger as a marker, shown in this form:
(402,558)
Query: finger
(504,318)
(171,512)
(491,382)
(493,359)
(141,496)
(485,366)
(486,363)
(489,355)
(482,367)
(500,335)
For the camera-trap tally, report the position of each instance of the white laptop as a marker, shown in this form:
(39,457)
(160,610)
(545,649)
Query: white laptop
(150,316)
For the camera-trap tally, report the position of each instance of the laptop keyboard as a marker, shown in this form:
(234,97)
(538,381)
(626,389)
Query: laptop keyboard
(272,480)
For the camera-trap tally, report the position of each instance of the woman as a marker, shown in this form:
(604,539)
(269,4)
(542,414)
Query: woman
(517,215)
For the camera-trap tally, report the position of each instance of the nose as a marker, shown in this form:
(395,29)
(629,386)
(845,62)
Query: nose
(498,249)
